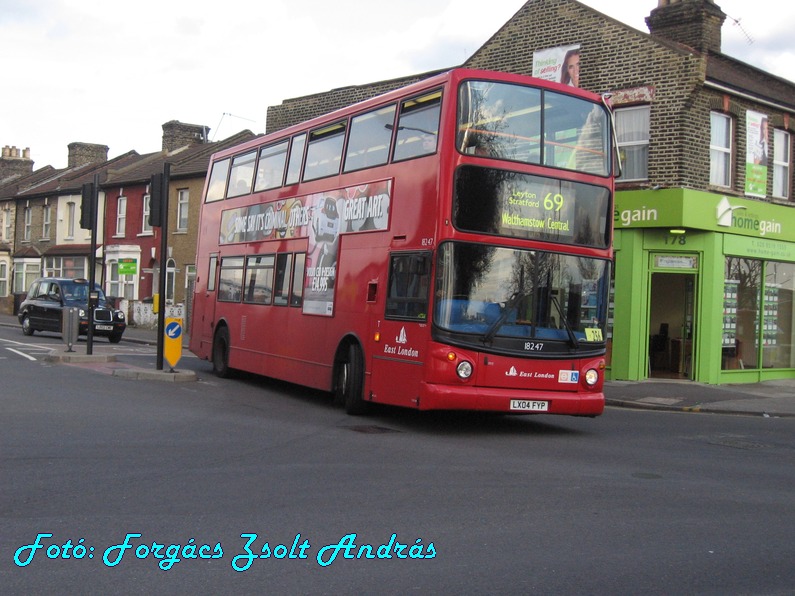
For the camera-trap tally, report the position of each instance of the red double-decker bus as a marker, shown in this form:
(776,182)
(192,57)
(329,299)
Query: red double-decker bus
(443,246)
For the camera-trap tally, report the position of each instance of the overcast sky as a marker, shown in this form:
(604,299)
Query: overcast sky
(112,73)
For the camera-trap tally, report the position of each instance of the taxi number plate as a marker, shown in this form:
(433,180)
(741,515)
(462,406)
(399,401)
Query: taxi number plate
(104,327)
(527,405)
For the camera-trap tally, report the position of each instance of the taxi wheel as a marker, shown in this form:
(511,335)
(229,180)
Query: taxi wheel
(26,328)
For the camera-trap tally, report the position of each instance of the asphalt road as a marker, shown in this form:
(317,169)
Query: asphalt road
(631,502)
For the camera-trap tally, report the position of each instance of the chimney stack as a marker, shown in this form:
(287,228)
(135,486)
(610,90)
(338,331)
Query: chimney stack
(694,23)
(81,154)
(12,163)
(177,134)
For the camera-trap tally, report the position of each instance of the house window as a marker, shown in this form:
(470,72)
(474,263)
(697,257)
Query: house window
(70,220)
(171,276)
(720,149)
(121,216)
(28,216)
(46,220)
(3,279)
(632,132)
(7,224)
(182,210)
(781,164)
(25,272)
(65,266)
(122,286)
(145,227)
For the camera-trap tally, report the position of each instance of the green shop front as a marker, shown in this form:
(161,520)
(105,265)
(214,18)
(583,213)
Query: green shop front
(703,288)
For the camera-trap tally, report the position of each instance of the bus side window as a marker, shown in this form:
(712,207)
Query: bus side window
(242,174)
(216,189)
(368,145)
(296,158)
(418,126)
(324,153)
(259,279)
(297,295)
(282,286)
(409,281)
(212,271)
(270,169)
(230,286)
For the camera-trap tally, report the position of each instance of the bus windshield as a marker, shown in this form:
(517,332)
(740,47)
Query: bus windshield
(531,125)
(507,299)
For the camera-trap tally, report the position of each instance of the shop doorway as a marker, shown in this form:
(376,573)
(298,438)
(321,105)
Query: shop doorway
(672,325)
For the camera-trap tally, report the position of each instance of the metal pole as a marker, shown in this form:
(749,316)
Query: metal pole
(161,310)
(92,274)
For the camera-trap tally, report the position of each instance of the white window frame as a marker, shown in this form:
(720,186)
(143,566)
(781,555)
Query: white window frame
(634,142)
(71,208)
(183,198)
(3,279)
(46,221)
(782,163)
(7,224)
(25,272)
(120,286)
(720,154)
(147,206)
(171,278)
(27,229)
(121,216)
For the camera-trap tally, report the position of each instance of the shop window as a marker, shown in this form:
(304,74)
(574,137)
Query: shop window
(632,133)
(720,149)
(741,306)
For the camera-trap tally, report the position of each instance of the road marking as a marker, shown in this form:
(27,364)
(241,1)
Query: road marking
(28,356)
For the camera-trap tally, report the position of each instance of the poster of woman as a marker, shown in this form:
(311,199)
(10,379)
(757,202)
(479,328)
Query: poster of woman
(561,64)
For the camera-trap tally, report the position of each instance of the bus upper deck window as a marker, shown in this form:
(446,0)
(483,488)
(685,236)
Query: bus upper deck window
(242,174)
(418,126)
(216,189)
(270,169)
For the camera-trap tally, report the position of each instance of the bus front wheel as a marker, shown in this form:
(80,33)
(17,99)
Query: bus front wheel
(350,381)
(221,353)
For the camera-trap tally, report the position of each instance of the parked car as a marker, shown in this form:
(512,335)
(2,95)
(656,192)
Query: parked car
(42,309)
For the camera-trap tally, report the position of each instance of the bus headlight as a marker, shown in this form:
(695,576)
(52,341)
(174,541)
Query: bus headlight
(464,369)
(591,377)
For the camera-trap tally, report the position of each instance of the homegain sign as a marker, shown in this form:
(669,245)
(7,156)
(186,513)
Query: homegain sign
(697,210)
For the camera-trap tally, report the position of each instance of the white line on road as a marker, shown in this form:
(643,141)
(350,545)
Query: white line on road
(28,356)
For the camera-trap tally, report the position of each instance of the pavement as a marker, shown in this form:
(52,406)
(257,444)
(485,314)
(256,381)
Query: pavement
(771,399)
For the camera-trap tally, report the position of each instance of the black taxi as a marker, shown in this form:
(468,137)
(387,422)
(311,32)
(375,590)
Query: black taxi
(42,309)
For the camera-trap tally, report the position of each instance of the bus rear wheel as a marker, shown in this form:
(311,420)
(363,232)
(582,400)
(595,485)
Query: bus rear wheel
(221,353)
(350,381)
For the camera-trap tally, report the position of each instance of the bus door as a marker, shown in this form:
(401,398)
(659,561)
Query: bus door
(401,336)
(204,308)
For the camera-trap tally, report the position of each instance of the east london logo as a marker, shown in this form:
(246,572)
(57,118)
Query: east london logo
(727,218)
(401,339)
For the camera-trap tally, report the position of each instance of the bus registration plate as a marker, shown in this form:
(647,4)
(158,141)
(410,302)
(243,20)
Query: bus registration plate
(526,405)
